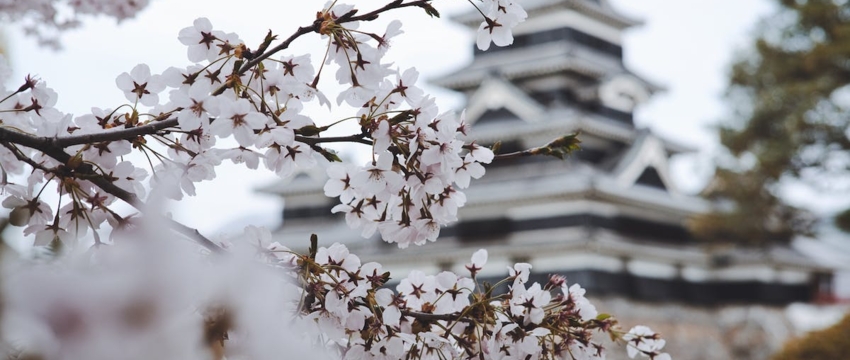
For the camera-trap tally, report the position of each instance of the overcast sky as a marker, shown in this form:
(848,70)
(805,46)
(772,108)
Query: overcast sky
(685,46)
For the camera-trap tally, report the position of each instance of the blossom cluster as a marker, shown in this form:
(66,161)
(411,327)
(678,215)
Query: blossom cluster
(410,196)
(407,192)
(246,105)
(448,315)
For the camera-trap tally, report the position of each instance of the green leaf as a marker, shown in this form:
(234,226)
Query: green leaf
(266,42)
(330,155)
(560,147)
(430,10)
(496,148)
(309,130)
(401,117)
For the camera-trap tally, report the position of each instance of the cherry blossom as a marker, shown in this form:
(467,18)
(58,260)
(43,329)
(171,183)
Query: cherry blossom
(501,16)
(197,105)
(479,258)
(200,41)
(139,85)
(642,340)
(192,300)
(238,119)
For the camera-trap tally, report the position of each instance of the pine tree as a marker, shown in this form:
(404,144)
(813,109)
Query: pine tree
(791,102)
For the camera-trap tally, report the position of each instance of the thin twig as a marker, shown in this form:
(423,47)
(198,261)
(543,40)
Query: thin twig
(317,24)
(515,154)
(17,152)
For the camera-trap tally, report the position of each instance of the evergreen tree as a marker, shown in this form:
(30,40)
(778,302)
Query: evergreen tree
(791,103)
(827,344)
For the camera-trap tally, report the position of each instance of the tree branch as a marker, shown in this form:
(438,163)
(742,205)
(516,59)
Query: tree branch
(434,317)
(317,24)
(515,154)
(397,4)
(559,148)
(280,47)
(113,135)
(358,138)
(88,172)
(17,152)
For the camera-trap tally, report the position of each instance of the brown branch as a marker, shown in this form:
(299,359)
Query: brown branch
(58,143)
(88,172)
(397,4)
(559,148)
(316,25)
(434,317)
(358,138)
(17,137)
(113,135)
(515,154)
(280,47)
(17,152)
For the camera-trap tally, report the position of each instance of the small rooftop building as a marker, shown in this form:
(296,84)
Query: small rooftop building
(609,217)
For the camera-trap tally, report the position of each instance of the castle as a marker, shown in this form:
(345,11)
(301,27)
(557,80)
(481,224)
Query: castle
(609,217)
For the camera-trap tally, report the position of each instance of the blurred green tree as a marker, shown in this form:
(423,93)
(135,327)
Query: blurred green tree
(791,102)
(832,343)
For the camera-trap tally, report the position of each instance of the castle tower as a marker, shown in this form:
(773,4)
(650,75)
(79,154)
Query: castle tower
(609,217)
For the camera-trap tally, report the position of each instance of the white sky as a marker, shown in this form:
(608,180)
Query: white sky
(685,46)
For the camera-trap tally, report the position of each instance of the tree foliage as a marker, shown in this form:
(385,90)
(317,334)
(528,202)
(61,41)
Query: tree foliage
(832,343)
(790,101)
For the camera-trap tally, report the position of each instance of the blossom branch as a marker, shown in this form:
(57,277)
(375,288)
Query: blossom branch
(113,135)
(17,152)
(558,148)
(280,47)
(317,25)
(358,138)
(86,171)
(397,4)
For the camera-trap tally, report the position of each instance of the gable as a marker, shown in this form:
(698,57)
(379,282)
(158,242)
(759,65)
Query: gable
(500,115)
(497,93)
(651,178)
(645,163)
